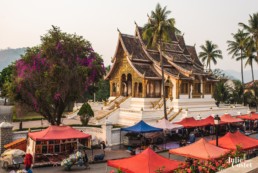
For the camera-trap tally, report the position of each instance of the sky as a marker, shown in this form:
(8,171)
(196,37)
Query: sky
(22,22)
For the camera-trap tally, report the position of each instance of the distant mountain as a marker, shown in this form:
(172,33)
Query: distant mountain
(7,56)
(237,74)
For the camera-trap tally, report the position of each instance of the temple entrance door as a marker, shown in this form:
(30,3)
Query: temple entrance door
(129,85)
(123,85)
(167,91)
(126,85)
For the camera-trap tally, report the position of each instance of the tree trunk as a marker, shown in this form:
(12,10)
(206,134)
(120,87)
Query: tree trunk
(252,72)
(209,66)
(163,82)
(242,75)
(5,102)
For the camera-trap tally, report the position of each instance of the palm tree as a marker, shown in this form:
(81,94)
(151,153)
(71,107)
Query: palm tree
(210,53)
(252,29)
(155,32)
(237,46)
(250,55)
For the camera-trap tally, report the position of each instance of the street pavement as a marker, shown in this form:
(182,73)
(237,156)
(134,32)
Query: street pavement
(96,167)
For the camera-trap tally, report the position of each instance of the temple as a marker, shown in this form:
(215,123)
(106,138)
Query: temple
(136,70)
(136,82)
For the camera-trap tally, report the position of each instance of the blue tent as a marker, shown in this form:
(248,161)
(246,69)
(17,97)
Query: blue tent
(142,127)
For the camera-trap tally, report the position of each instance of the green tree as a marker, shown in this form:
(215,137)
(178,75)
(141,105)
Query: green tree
(85,113)
(252,29)
(157,31)
(209,53)
(236,93)
(220,92)
(237,47)
(55,73)
(250,55)
(5,79)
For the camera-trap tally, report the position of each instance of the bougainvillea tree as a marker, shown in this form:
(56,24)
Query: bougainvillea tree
(55,73)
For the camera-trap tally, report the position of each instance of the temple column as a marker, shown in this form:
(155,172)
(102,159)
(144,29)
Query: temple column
(191,90)
(204,88)
(144,88)
(133,88)
(202,93)
(177,88)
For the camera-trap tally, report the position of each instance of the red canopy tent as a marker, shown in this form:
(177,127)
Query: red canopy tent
(188,122)
(251,116)
(227,118)
(146,162)
(201,149)
(209,121)
(55,140)
(191,122)
(231,140)
(58,133)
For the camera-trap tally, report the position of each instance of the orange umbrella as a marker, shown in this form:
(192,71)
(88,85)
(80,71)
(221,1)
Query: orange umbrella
(231,140)
(200,150)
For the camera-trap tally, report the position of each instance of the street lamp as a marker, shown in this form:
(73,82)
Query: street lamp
(216,122)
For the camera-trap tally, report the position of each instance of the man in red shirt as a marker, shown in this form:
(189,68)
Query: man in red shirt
(28,160)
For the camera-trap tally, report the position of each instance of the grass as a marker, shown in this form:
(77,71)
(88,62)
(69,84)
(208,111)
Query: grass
(31,116)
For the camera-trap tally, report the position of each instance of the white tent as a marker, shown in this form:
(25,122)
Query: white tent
(166,125)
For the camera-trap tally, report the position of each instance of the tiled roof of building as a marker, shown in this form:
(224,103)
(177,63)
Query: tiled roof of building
(251,84)
(192,51)
(146,70)
(179,60)
(134,48)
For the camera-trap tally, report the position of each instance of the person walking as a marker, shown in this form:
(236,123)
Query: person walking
(103,146)
(28,161)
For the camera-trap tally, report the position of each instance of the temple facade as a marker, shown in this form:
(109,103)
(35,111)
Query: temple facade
(136,83)
(136,70)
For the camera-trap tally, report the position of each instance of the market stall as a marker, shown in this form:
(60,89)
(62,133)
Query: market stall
(141,128)
(201,150)
(55,142)
(227,118)
(232,140)
(146,162)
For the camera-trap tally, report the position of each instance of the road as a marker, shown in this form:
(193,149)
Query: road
(94,168)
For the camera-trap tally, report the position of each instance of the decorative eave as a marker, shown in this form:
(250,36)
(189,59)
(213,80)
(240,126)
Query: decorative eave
(144,47)
(129,60)
(178,67)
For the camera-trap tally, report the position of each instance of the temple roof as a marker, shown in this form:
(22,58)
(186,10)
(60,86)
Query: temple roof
(180,60)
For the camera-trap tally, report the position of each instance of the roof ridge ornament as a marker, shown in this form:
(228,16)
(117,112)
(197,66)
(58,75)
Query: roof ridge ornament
(118,30)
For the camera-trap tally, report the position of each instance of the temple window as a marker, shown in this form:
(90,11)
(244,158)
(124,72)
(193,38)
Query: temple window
(208,88)
(184,88)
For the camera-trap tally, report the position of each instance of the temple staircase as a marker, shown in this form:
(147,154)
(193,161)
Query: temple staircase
(113,103)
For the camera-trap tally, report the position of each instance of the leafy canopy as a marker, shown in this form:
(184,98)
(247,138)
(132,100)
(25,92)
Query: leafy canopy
(58,71)
(209,53)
